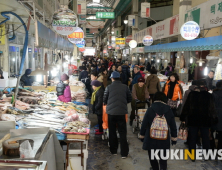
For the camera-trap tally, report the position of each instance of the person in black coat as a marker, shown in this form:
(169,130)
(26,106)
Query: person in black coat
(217,95)
(97,103)
(209,80)
(159,107)
(199,114)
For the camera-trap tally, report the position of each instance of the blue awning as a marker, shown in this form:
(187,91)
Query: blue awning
(201,44)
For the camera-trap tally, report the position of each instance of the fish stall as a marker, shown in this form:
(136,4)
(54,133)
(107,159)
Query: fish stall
(53,131)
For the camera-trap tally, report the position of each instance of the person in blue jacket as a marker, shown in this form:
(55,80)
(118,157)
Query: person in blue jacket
(137,75)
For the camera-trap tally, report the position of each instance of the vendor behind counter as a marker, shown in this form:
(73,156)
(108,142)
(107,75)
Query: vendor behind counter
(63,89)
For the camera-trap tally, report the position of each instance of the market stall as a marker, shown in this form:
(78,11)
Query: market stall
(37,108)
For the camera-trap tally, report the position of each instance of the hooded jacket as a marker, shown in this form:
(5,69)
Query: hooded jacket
(153,84)
(25,79)
(199,109)
(160,109)
(136,77)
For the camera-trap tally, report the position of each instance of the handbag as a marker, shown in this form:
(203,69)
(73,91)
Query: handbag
(179,110)
(172,103)
(183,132)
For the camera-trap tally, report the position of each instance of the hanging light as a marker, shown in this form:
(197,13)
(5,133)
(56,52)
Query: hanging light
(112,32)
(125,21)
(200,62)
(158,60)
(38,71)
(191,60)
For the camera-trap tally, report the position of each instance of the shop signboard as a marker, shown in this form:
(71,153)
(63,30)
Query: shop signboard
(190,30)
(81,49)
(81,7)
(145,10)
(2,34)
(105,15)
(127,51)
(113,44)
(132,44)
(105,51)
(82,19)
(109,47)
(80,44)
(131,20)
(120,41)
(128,39)
(77,36)
(147,40)
(93,30)
(140,50)
(117,47)
(174,25)
(64,21)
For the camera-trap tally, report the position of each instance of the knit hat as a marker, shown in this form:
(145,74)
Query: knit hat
(64,77)
(141,79)
(96,83)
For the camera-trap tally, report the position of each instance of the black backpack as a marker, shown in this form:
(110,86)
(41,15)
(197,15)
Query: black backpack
(60,88)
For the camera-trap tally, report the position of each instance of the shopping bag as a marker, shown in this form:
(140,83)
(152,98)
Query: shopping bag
(105,118)
(183,132)
(141,113)
(179,110)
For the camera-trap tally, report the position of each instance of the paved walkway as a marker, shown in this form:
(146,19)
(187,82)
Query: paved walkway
(101,159)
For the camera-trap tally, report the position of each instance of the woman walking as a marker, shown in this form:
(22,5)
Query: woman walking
(153,83)
(173,91)
(158,108)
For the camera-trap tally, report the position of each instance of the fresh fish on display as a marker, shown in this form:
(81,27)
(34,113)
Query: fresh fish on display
(16,111)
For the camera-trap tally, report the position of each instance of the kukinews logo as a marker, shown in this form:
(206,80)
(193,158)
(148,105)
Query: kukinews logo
(184,154)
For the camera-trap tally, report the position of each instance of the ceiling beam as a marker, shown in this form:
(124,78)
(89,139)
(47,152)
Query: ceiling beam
(98,7)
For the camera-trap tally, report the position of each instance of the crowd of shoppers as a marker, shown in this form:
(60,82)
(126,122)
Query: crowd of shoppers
(114,86)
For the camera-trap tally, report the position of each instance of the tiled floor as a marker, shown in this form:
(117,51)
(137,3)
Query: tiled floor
(101,159)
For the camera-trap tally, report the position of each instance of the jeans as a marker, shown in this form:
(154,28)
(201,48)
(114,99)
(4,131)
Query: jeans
(118,121)
(161,165)
(193,135)
(100,122)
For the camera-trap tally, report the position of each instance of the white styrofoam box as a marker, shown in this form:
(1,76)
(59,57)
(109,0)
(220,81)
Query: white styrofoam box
(12,82)
(75,160)
(5,75)
(3,83)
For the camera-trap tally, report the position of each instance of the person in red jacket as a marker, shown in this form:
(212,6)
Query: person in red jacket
(63,89)
(110,63)
(142,71)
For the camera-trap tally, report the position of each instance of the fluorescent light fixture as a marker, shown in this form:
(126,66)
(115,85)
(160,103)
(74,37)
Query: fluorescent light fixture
(191,60)
(200,63)
(39,78)
(112,32)
(206,71)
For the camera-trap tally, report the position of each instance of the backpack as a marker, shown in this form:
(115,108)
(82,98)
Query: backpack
(159,128)
(60,88)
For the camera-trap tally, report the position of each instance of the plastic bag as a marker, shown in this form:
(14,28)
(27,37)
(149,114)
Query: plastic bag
(26,150)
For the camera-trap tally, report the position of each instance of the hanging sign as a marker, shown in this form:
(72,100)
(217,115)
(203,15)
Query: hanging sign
(131,19)
(105,51)
(77,36)
(109,47)
(190,30)
(82,19)
(147,40)
(117,47)
(133,44)
(81,44)
(105,15)
(120,41)
(128,39)
(2,34)
(64,21)
(145,10)
(81,49)
(81,7)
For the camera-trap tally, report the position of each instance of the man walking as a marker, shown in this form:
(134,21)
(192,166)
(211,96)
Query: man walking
(116,97)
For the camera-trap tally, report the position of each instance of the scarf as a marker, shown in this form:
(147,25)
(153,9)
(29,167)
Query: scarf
(93,99)
(171,90)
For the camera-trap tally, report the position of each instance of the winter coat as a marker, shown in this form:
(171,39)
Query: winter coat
(178,90)
(209,82)
(153,84)
(139,93)
(26,79)
(191,88)
(199,109)
(116,97)
(84,77)
(126,72)
(66,97)
(143,74)
(105,79)
(148,67)
(98,104)
(217,95)
(136,77)
(160,109)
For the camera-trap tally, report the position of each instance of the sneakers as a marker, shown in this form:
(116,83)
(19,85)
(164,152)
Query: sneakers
(124,157)
(98,133)
(113,153)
